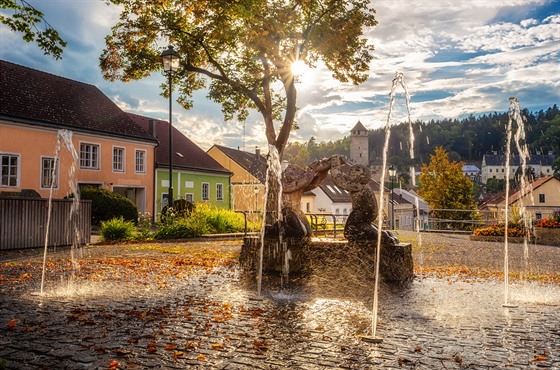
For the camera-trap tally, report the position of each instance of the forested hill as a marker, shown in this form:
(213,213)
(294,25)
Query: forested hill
(468,139)
(465,140)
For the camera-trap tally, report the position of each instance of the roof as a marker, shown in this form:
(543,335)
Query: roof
(530,187)
(470,168)
(39,98)
(500,160)
(253,163)
(187,155)
(359,127)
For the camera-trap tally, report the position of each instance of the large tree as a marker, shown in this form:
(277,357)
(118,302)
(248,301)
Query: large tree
(242,50)
(446,189)
(20,16)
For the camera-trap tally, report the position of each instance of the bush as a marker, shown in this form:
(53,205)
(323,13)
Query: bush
(106,205)
(548,222)
(117,229)
(202,219)
(499,230)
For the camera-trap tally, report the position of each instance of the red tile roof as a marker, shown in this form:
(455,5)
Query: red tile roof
(38,98)
(187,155)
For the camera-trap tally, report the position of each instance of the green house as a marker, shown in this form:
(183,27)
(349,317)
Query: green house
(197,177)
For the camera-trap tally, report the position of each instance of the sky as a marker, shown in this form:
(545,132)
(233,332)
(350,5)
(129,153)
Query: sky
(457,58)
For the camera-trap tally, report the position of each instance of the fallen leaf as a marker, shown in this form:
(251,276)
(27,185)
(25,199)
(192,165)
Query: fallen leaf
(152,347)
(113,365)
(217,346)
(418,349)
(170,346)
(201,357)
(540,358)
(12,324)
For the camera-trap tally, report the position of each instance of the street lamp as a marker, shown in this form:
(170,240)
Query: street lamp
(170,59)
(392,173)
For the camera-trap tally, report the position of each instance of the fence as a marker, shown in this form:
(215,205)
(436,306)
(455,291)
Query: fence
(23,222)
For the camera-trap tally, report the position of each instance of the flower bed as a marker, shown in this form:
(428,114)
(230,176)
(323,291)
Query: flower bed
(495,233)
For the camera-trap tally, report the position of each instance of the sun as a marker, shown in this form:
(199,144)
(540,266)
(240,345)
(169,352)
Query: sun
(299,68)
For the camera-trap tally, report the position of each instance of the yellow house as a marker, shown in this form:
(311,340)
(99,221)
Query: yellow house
(248,179)
(539,198)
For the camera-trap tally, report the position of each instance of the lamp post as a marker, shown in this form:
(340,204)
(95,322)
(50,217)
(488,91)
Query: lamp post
(392,173)
(170,59)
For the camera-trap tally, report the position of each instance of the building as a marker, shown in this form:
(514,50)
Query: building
(38,108)
(197,177)
(359,145)
(494,166)
(472,172)
(540,199)
(248,177)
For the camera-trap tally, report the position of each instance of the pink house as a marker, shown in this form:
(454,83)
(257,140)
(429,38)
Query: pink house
(113,152)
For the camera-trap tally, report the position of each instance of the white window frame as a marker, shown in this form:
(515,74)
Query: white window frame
(119,166)
(205,189)
(9,175)
(47,173)
(189,197)
(139,167)
(219,191)
(90,154)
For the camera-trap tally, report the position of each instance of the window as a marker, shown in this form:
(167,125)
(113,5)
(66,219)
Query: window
(49,172)
(219,191)
(140,161)
(538,216)
(308,207)
(542,198)
(118,159)
(490,170)
(189,197)
(10,163)
(89,156)
(205,191)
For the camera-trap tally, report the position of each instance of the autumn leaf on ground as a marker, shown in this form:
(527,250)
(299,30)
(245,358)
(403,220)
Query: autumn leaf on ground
(217,346)
(540,358)
(418,349)
(113,365)
(320,328)
(201,357)
(170,346)
(152,347)
(12,324)
(178,354)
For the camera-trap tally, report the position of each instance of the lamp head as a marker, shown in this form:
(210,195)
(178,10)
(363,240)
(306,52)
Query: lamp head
(170,59)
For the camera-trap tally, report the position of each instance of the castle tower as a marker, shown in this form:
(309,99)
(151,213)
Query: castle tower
(359,144)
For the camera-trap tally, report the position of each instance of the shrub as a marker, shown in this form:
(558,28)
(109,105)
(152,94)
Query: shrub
(106,205)
(548,222)
(202,219)
(499,230)
(117,229)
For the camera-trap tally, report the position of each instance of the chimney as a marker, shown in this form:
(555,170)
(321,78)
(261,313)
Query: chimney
(152,127)
(257,151)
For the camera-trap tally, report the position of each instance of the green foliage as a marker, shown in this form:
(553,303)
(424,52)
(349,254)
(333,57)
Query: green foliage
(444,186)
(117,229)
(470,138)
(25,19)
(203,219)
(495,185)
(304,153)
(243,50)
(106,205)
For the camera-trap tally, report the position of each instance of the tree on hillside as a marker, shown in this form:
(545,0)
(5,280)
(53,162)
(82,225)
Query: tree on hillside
(446,189)
(243,50)
(21,17)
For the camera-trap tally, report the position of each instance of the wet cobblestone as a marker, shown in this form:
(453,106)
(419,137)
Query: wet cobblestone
(208,321)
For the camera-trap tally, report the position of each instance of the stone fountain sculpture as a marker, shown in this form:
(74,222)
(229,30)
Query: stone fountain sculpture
(289,240)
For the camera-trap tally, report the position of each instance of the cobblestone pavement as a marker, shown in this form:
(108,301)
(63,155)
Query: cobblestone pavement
(179,306)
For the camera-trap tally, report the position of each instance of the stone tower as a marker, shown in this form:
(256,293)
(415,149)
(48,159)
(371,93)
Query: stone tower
(359,145)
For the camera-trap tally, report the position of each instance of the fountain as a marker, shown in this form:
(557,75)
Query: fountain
(64,137)
(285,245)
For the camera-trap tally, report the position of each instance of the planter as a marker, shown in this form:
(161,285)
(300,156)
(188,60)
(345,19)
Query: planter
(495,238)
(548,235)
